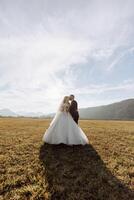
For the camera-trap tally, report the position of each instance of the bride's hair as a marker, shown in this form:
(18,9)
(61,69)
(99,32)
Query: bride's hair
(66,99)
(64,106)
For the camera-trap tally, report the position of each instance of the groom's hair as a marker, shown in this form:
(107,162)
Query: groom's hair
(72,96)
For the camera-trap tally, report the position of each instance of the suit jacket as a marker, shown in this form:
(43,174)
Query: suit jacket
(73,108)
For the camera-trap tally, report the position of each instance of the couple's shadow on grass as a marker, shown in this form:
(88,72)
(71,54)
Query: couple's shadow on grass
(78,172)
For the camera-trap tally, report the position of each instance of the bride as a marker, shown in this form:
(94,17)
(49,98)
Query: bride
(63,129)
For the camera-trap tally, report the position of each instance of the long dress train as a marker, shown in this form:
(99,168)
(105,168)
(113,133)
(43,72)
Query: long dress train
(63,129)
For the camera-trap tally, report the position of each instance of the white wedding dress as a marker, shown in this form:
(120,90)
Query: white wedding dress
(63,129)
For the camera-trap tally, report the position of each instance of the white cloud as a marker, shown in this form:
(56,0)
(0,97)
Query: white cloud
(41,39)
(127,85)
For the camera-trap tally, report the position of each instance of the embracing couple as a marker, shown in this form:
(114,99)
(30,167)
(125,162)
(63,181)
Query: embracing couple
(72,107)
(64,126)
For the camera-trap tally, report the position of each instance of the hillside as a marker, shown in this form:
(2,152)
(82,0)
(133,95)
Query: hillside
(123,110)
(7,112)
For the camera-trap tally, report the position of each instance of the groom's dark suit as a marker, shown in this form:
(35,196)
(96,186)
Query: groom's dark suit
(74,111)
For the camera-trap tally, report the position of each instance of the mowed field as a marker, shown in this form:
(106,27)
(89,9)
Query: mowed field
(102,170)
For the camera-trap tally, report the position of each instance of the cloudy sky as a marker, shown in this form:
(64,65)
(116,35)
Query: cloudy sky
(52,48)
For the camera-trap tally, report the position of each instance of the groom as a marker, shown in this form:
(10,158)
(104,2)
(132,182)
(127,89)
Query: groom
(74,108)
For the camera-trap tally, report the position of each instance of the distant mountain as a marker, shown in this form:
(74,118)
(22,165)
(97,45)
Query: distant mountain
(7,112)
(30,114)
(123,110)
(50,115)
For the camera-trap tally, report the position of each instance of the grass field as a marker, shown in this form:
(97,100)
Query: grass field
(102,170)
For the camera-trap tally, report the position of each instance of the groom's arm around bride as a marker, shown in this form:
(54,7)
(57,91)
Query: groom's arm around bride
(74,109)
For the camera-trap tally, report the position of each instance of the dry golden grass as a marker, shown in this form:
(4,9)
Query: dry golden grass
(102,170)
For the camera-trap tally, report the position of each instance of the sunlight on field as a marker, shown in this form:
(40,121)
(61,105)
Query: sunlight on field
(104,169)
